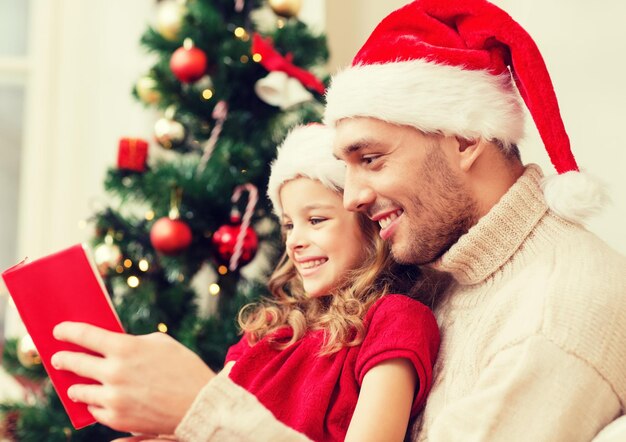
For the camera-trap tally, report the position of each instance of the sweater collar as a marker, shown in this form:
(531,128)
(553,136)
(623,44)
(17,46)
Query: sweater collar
(491,242)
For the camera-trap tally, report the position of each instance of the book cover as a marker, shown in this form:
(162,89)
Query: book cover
(64,286)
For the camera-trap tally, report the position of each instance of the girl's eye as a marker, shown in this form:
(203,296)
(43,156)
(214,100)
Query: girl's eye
(315,221)
(287,226)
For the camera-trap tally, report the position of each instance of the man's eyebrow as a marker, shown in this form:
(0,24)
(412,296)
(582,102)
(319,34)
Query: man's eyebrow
(357,146)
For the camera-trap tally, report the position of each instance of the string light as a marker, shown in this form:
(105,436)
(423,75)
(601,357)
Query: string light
(149,215)
(181,277)
(280,23)
(162,327)
(240,32)
(257,57)
(207,94)
(214,289)
(132,281)
(144,265)
(222,270)
(119,269)
(128,263)
(244,59)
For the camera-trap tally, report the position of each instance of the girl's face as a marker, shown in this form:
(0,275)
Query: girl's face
(323,239)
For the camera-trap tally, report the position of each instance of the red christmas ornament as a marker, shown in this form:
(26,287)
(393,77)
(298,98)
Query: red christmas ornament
(170,236)
(225,241)
(132,154)
(188,63)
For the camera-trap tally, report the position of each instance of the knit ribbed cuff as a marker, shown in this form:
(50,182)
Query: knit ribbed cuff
(223,411)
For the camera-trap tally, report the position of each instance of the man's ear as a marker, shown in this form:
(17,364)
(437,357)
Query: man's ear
(469,151)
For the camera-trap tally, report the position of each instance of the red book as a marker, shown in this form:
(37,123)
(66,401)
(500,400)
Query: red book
(64,286)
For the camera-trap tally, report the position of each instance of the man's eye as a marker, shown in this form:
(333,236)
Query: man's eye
(369,159)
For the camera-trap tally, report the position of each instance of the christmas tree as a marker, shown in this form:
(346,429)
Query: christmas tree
(188,211)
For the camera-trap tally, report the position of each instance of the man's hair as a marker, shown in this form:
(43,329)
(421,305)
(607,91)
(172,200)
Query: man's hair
(340,314)
(510,151)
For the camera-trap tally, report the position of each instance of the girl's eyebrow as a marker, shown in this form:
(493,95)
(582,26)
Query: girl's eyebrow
(309,207)
(318,206)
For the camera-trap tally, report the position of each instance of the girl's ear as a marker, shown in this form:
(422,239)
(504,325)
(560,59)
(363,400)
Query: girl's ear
(468,152)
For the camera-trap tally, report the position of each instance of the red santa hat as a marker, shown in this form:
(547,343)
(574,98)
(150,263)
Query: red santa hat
(307,151)
(459,67)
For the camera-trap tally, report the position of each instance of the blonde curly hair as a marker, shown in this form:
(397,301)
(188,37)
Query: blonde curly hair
(341,315)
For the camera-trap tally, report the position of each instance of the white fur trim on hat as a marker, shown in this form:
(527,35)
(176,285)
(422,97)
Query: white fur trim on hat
(574,196)
(431,97)
(307,151)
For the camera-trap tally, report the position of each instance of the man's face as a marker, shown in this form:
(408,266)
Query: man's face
(405,181)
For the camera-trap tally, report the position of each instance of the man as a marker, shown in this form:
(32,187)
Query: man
(533,334)
(428,119)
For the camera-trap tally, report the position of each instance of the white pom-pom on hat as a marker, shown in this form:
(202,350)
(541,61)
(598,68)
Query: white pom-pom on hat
(574,196)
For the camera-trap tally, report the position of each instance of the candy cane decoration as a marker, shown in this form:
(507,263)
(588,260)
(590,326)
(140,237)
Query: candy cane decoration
(253,197)
(220,112)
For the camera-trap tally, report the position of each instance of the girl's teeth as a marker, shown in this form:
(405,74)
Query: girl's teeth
(311,264)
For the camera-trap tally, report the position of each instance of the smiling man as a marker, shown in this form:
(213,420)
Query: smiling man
(428,118)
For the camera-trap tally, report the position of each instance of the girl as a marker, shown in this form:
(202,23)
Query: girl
(332,353)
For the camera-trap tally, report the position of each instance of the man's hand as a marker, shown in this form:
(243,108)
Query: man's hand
(148,382)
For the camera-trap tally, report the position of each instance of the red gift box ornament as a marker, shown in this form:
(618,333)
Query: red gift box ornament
(132,154)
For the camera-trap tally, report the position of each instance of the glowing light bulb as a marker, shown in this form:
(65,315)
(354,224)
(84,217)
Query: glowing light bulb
(132,281)
(144,265)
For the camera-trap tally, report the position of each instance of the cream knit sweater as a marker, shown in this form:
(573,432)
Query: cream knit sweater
(533,338)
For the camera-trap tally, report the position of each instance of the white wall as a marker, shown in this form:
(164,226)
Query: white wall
(350,22)
(85,57)
(584,46)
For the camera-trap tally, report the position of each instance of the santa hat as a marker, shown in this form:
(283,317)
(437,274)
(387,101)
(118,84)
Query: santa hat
(458,67)
(307,151)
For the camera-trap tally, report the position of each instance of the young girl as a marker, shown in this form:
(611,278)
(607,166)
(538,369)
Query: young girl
(332,354)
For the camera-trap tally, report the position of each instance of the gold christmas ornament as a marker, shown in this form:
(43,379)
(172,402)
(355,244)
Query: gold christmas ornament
(169,133)
(146,90)
(27,353)
(286,8)
(107,255)
(169,18)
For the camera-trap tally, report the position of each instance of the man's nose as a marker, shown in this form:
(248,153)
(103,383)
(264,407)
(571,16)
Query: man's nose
(357,195)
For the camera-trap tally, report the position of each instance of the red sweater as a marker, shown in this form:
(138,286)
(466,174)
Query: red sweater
(317,395)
